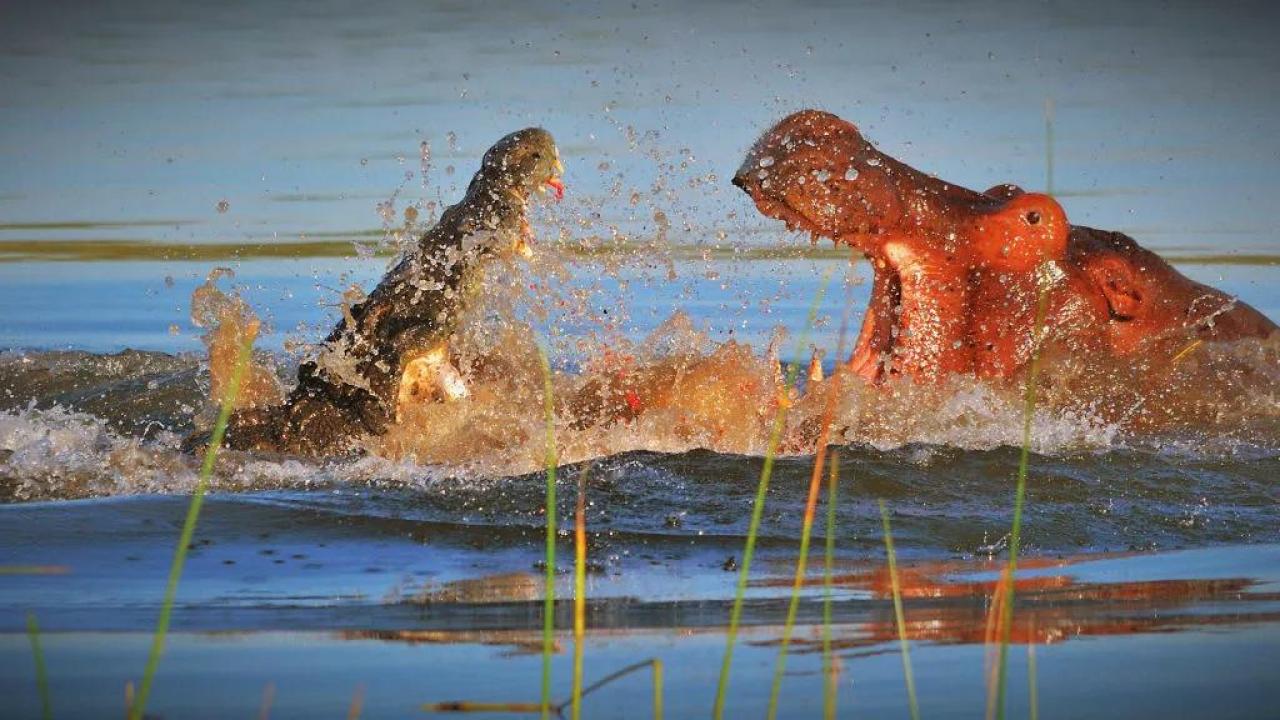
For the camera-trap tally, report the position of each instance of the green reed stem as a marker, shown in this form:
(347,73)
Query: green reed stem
(268,699)
(1020,494)
(579,594)
(899,616)
(830,687)
(806,529)
(189,528)
(549,600)
(42,677)
(757,511)
(357,703)
(657,689)
(805,536)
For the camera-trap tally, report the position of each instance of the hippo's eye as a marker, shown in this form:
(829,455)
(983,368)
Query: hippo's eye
(1033,218)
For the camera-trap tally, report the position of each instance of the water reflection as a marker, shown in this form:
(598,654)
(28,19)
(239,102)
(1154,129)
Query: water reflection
(946,603)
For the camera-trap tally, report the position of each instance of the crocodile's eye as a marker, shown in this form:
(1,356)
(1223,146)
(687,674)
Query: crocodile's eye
(1032,217)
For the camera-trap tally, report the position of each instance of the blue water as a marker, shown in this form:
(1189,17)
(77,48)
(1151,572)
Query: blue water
(147,126)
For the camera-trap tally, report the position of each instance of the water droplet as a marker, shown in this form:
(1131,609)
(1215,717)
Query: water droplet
(873,162)
(766,161)
(822,175)
(851,174)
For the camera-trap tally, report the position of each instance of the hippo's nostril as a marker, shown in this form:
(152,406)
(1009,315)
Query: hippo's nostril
(738,181)
(1033,218)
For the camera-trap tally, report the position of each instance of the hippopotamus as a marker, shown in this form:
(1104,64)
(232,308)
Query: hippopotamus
(959,275)
(393,346)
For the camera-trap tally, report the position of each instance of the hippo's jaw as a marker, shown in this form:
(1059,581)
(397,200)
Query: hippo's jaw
(957,274)
(932,245)
(817,174)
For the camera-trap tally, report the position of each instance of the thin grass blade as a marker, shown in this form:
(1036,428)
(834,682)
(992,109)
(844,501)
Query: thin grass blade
(657,689)
(42,676)
(898,615)
(139,703)
(1020,494)
(829,685)
(549,600)
(806,528)
(268,699)
(357,703)
(757,511)
(579,594)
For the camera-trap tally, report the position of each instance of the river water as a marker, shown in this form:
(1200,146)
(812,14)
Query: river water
(145,144)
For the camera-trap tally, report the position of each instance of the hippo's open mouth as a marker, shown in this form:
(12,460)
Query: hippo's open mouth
(960,276)
(794,219)
(872,357)
(925,238)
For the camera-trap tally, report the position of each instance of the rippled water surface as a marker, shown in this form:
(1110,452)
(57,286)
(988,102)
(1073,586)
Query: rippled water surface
(302,144)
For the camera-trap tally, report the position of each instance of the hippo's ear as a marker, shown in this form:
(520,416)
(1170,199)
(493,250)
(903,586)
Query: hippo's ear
(1004,191)
(1119,285)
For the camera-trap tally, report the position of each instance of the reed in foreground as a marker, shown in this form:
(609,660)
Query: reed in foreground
(549,596)
(898,615)
(806,526)
(579,593)
(139,702)
(357,703)
(42,677)
(1005,589)
(757,511)
(1002,608)
(829,669)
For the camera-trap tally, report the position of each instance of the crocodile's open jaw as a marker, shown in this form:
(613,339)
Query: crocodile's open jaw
(552,183)
(555,182)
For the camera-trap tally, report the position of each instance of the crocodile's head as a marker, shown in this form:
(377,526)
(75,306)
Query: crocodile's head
(519,167)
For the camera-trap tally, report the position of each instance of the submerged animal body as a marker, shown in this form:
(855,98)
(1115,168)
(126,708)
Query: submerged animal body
(959,274)
(392,347)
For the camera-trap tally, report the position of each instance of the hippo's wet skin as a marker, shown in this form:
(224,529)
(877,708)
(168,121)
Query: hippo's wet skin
(392,346)
(957,272)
